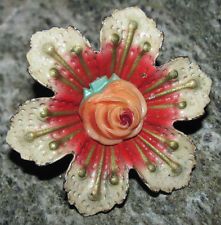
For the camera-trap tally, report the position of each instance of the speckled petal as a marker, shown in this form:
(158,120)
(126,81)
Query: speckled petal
(37,149)
(146,30)
(91,195)
(63,40)
(165,177)
(196,98)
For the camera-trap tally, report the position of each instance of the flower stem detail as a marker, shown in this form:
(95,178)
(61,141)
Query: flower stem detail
(83,171)
(50,50)
(191,84)
(114,179)
(78,51)
(175,167)
(30,136)
(54,145)
(131,31)
(95,192)
(146,48)
(115,41)
(151,167)
(171,143)
(170,76)
(54,73)
(179,105)
(46,113)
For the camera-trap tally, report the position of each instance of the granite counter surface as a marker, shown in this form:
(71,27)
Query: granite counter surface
(32,195)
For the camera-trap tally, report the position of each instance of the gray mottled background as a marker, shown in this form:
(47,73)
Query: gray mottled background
(34,195)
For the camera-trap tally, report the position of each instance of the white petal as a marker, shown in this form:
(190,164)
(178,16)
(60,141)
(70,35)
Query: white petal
(79,190)
(27,119)
(163,178)
(196,98)
(62,39)
(146,31)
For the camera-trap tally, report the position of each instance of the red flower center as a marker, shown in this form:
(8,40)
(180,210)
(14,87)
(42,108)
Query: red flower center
(126,118)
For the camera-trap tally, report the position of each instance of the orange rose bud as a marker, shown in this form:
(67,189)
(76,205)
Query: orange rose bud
(114,114)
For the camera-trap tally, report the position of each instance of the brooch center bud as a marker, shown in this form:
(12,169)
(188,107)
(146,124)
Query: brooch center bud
(112,110)
(126,118)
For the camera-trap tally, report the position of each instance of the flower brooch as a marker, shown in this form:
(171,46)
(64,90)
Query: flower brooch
(113,110)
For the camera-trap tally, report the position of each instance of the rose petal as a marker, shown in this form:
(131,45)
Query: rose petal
(146,31)
(37,149)
(79,189)
(163,178)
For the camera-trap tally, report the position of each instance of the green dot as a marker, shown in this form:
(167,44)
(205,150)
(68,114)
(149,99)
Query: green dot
(115,38)
(174,145)
(54,72)
(146,47)
(133,25)
(82,172)
(53,145)
(192,84)
(44,113)
(182,105)
(77,49)
(30,136)
(48,48)
(173,74)
(151,167)
(114,179)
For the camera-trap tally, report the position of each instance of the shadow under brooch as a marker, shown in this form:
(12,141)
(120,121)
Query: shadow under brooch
(113,110)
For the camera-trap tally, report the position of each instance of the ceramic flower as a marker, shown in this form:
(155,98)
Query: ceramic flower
(113,110)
